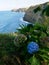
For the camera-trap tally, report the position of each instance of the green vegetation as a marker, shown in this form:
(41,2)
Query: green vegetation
(37,33)
(7,49)
(46,11)
(37,9)
(13,47)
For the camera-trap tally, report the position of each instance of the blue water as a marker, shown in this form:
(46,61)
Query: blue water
(10,21)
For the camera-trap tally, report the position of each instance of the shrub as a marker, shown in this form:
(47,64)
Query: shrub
(34,51)
(37,9)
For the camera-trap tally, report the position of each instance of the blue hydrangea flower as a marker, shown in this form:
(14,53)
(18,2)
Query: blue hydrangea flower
(32,47)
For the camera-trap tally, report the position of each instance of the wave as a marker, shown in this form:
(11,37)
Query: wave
(21,19)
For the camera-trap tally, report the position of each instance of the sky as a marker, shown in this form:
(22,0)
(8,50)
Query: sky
(15,4)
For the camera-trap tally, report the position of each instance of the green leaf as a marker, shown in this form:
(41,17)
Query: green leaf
(34,61)
(45,56)
(45,51)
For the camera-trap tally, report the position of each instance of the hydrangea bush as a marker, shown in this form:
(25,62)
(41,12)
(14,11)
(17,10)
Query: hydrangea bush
(33,50)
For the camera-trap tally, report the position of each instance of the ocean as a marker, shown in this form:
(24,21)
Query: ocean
(10,21)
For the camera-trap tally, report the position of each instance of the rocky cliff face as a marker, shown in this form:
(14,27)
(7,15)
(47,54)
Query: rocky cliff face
(39,13)
(20,10)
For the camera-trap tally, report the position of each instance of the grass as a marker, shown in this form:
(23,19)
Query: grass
(7,49)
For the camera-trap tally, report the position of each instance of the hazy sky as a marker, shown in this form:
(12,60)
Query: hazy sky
(11,4)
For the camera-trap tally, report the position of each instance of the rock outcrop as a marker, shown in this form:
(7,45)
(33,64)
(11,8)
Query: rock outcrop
(38,13)
(20,10)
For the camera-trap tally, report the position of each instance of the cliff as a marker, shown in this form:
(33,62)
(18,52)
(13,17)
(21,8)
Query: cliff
(38,13)
(20,10)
